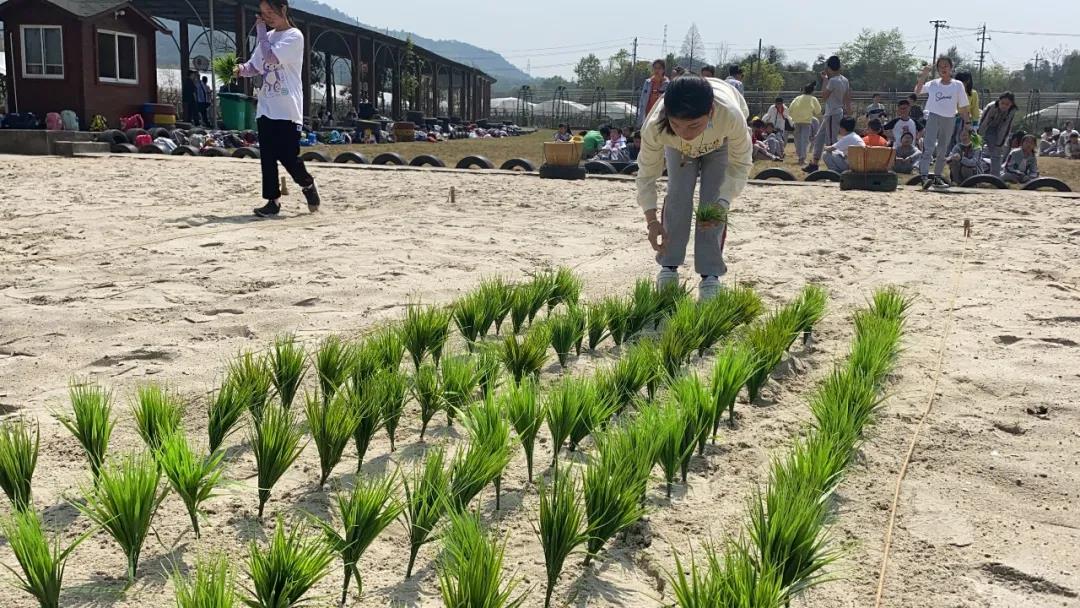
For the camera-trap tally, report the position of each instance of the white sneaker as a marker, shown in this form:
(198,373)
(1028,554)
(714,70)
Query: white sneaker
(666,278)
(710,286)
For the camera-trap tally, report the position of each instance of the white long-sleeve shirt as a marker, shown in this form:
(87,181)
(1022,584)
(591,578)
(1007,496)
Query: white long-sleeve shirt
(776,117)
(279,59)
(728,126)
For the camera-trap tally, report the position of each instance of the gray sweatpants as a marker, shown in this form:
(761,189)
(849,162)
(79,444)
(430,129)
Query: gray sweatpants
(827,134)
(935,143)
(802,140)
(678,213)
(836,161)
(993,152)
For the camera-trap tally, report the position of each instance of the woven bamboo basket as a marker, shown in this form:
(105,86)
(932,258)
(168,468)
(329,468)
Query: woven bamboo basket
(562,153)
(872,159)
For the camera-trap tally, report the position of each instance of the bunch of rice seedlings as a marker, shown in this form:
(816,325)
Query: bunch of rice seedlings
(497,296)
(489,434)
(18,459)
(843,404)
(890,303)
(525,412)
(526,357)
(427,493)
(212,586)
(643,308)
(334,362)
(674,444)
(680,338)
(638,368)
(617,315)
(123,503)
(633,447)
(470,313)
(291,565)
(42,563)
(367,407)
(459,380)
(364,512)
(424,332)
(596,324)
(695,397)
(734,367)
(666,300)
(562,525)
(253,376)
(288,364)
(719,316)
(521,298)
(565,288)
(92,423)
(876,346)
(613,492)
(563,411)
(597,406)
(388,347)
(809,308)
(366,362)
(332,426)
(224,67)
(816,462)
(227,406)
(192,476)
(470,567)
(567,332)
(157,414)
(391,390)
(769,340)
(488,368)
(710,214)
(275,442)
(732,579)
(427,390)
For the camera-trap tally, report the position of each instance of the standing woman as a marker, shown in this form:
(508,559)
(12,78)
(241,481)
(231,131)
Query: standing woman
(994,128)
(945,97)
(652,90)
(699,132)
(279,59)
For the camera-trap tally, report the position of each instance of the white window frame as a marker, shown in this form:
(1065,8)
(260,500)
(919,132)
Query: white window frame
(22,51)
(116,56)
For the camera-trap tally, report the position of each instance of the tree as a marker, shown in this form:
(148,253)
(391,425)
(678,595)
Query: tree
(878,61)
(961,63)
(693,47)
(1070,72)
(762,76)
(589,71)
(410,79)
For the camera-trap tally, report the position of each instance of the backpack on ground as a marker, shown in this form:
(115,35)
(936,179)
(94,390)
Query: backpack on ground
(70,120)
(53,122)
(98,123)
(134,121)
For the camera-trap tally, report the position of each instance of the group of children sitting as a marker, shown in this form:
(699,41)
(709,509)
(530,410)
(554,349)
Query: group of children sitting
(1064,143)
(606,143)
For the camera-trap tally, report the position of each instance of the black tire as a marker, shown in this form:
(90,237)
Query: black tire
(389,158)
(776,173)
(823,175)
(518,164)
(246,152)
(112,136)
(185,151)
(151,149)
(314,156)
(984,179)
(214,152)
(630,169)
(157,132)
(561,172)
(131,134)
(123,149)
(474,162)
(351,157)
(916,180)
(427,160)
(1047,182)
(600,167)
(884,181)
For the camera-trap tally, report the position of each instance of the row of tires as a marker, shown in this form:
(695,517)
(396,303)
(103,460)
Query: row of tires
(975,181)
(116,136)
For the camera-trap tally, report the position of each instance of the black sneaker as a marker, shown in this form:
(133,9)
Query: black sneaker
(311,193)
(927,181)
(270,209)
(940,183)
(810,168)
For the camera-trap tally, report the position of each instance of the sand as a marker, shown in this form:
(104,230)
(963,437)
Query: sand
(133,270)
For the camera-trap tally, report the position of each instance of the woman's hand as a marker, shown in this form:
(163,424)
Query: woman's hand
(657,235)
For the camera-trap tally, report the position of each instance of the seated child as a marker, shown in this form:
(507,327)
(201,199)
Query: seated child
(1021,165)
(1048,143)
(1072,148)
(875,136)
(615,147)
(774,140)
(563,133)
(836,157)
(758,135)
(965,160)
(907,155)
(634,147)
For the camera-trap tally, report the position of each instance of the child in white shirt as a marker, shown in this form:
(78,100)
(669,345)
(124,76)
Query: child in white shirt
(836,159)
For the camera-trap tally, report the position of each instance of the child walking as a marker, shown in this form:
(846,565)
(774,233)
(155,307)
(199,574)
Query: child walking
(945,97)
(279,59)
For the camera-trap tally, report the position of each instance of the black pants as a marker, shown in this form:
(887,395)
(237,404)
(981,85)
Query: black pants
(204,114)
(279,142)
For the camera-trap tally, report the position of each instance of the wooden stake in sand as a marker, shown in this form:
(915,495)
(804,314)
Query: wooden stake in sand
(453,195)
(284,186)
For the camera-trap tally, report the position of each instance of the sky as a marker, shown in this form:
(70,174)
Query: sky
(552,35)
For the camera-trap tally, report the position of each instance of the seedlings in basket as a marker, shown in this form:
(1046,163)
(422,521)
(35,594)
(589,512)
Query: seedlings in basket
(291,565)
(427,390)
(42,562)
(459,380)
(526,414)
(489,435)
(612,493)
(470,567)
(157,414)
(391,389)
(809,308)
(734,367)
(92,423)
(562,525)
(427,492)
(526,357)
(18,459)
(769,340)
(212,586)
(617,315)
(364,512)
(123,503)
(710,216)
(275,442)
(334,361)
(719,316)
(489,368)
(679,339)
(192,476)
(289,365)
(227,406)
(596,324)
(332,426)
(252,374)
(424,332)
(469,316)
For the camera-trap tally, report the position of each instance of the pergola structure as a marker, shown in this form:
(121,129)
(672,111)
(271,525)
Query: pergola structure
(418,80)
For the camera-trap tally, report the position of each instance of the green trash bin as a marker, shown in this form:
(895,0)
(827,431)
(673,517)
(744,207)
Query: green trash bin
(233,110)
(252,108)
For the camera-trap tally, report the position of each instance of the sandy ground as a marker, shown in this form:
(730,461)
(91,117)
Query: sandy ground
(133,270)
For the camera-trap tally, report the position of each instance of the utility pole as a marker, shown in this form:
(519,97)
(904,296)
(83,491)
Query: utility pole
(757,64)
(633,68)
(938,24)
(663,47)
(982,50)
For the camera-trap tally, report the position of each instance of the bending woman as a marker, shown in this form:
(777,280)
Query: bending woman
(994,129)
(279,59)
(699,132)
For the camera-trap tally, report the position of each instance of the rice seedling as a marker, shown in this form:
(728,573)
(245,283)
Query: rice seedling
(876,346)
(332,425)
(212,586)
(469,316)
(291,565)
(565,288)
(890,303)
(367,407)
(459,381)
(638,368)
(470,567)
(157,414)
(597,406)
(526,413)
(18,459)
(489,432)
(562,525)
(719,316)
(192,476)
(387,347)
(666,300)
(696,399)
(123,503)
(42,563)
(809,308)
(562,412)
(224,67)
(732,579)
(521,299)
(488,368)
(612,493)
(226,408)
(643,308)
(815,462)
(366,362)
(566,332)
(275,442)
(424,332)
(596,324)
(364,512)
(427,492)
(844,403)
(679,339)
(712,215)
(289,365)
(334,361)
(734,367)
(251,373)
(526,357)
(499,295)
(92,423)
(391,389)
(632,447)
(617,315)
(769,340)
(674,444)
(427,390)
